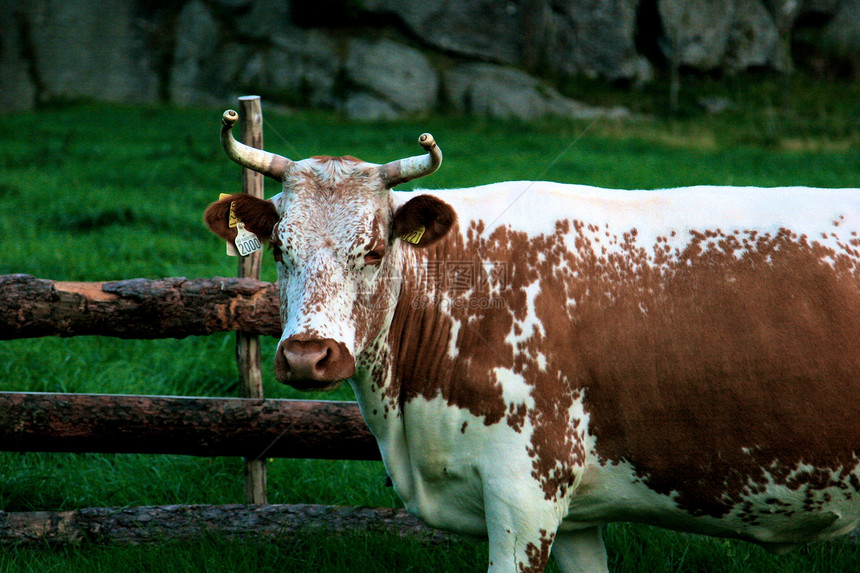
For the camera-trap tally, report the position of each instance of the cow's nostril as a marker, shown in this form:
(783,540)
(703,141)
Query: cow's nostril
(323,362)
(285,355)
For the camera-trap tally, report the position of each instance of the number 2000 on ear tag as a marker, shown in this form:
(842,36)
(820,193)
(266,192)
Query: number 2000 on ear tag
(246,241)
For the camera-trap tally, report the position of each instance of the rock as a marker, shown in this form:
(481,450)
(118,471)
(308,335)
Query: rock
(591,37)
(697,31)
(819,7)
(827,40)
(783,12)
(562,37)
(841,36)
(301,65)
(495,91)
(367,107)
(392,72)
(485,29)
(754,40)
(19,90)
(192,78)
(261,19)
(233,4)
(716,104)
(83,49)
(638,71)
(506,93)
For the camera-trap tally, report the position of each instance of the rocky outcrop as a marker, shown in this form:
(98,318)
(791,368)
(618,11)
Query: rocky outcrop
(378,59)
(299,67)
(195,75)
(841,36)
(754,40)
(389,73)
(19,87)
(78,49)
(482,29)
(591,37)
(496,91)
(697,31)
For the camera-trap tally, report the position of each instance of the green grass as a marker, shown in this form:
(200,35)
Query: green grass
(103,192)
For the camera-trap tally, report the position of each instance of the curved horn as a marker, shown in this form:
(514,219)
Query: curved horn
(268,164)
(403,170)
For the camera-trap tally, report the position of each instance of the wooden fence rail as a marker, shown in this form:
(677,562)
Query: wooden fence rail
(248,427)
(137,308)
(148,524)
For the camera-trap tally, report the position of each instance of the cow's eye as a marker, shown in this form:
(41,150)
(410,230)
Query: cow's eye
(278,254)
(373,258)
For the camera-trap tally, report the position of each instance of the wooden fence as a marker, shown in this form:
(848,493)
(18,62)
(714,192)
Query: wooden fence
(249,426)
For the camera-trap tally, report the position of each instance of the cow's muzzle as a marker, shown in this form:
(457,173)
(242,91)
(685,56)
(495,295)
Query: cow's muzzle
(313,364)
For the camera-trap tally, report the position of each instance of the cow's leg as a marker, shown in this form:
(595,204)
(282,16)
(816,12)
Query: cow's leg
(580,551)
(521,531)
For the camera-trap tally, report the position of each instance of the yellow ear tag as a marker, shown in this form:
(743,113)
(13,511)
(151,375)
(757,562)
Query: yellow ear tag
(232,221)
(415,236)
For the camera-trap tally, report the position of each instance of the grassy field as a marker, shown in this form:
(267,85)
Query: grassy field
(97,192)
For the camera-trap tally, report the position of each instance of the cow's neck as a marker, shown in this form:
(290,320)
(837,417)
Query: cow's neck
(409,358)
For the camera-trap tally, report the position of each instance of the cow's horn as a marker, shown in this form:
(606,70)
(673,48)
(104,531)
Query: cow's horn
(403,170)
(268,164)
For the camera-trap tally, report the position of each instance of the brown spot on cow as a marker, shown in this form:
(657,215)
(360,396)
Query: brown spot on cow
(517,416)
(538,555)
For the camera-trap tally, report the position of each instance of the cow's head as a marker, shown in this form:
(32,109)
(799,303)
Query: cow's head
(339,246)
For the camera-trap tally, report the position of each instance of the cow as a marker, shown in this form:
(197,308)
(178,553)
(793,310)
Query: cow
(538,359)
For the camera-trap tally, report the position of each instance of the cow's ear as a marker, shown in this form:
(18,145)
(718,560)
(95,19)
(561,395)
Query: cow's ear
(258,216)
(423,220)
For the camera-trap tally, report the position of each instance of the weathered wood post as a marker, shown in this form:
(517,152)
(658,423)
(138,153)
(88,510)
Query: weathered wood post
(248,345)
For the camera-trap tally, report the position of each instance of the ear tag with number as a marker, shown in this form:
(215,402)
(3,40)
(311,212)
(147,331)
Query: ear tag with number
(231,221)
(246,241)
(415,236)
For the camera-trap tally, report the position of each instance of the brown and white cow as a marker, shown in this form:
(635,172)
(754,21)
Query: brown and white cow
(538,359)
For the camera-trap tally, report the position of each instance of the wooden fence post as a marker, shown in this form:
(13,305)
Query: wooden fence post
(248,345)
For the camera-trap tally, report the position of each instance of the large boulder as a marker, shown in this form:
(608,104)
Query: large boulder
(197,75)
(829,43)
(363,106)
(754,40)
(697,31)
(258,19)
(561,37)
(841,36)
(507,93)
(82,49)
(591,37)
(783,12)
(299,66)
(485,29)
(392,72)
(821,7)
(19,88)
